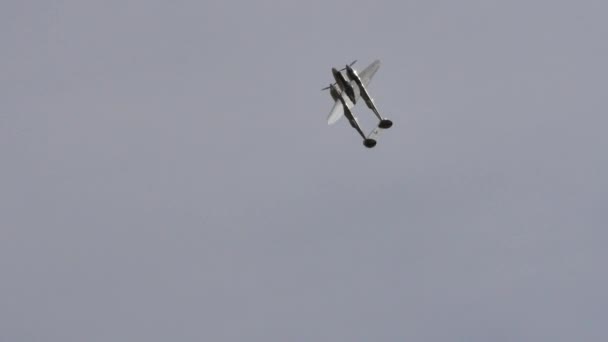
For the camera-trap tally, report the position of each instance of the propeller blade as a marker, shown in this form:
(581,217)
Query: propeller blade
(329,86)
(351,64)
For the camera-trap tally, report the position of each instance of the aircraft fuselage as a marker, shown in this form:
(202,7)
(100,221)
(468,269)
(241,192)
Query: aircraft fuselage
(336,94)
(353,76)
(344,84)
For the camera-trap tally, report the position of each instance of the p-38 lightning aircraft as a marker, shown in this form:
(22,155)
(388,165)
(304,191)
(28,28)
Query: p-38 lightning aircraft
(354,88)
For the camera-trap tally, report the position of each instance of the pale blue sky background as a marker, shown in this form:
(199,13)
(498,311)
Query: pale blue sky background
(167,173)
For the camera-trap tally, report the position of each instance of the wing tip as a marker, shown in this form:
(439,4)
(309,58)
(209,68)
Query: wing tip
(333,120)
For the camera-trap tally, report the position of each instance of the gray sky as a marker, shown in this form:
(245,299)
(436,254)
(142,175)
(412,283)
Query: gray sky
(168,174)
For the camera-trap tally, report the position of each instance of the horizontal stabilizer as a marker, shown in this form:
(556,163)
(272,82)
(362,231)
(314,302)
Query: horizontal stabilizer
(375,133)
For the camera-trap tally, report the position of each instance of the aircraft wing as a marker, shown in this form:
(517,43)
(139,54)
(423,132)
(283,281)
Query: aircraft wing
(336,113)
(369,72)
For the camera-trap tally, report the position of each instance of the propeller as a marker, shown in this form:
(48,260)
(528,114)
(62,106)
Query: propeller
(351,64)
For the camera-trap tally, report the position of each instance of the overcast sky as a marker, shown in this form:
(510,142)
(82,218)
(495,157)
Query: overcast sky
(167,173)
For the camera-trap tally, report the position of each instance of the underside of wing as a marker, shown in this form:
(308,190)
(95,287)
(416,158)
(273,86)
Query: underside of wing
(336,113)
(369,72)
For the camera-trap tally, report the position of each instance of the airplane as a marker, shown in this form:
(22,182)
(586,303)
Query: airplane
(342,107)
